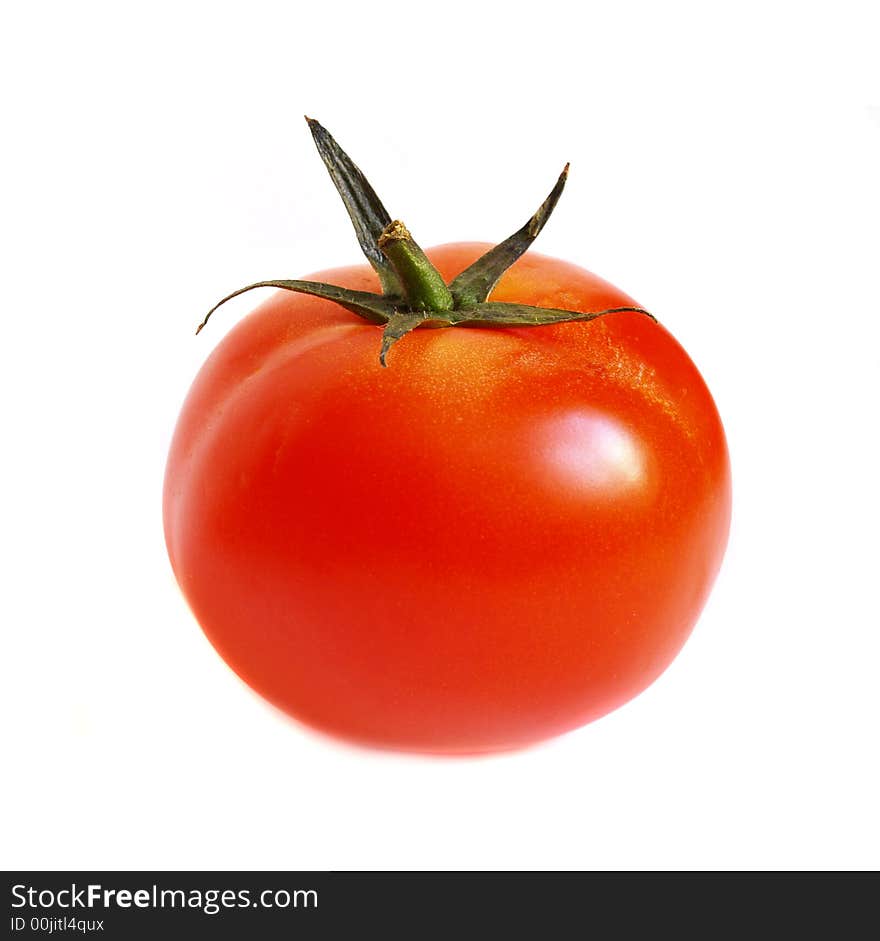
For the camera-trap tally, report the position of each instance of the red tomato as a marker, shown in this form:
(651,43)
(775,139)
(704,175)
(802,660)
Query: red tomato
(505,534)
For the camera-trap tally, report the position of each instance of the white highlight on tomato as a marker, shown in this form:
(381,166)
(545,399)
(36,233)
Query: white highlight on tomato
(594,452)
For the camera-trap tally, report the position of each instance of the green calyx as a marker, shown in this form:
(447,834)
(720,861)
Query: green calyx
(414,293)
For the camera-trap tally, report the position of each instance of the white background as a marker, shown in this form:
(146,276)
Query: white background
(724,172)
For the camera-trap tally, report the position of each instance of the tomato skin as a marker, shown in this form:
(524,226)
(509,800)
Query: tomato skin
(505,534)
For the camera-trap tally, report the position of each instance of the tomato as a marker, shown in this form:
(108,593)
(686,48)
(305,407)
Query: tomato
(505,534)
(502,536)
